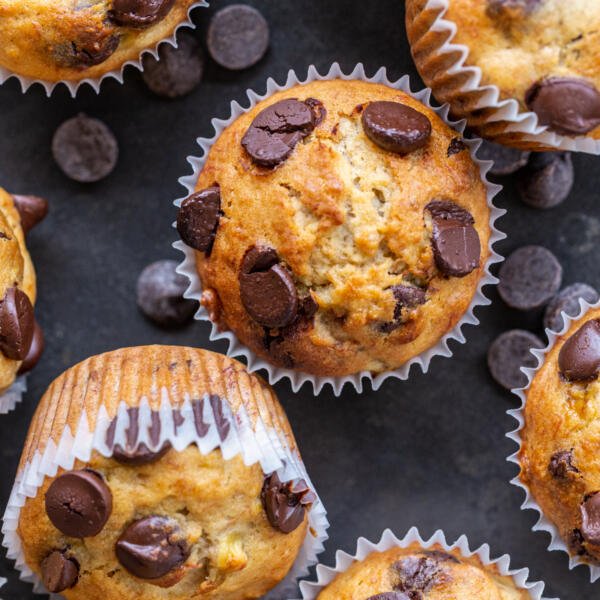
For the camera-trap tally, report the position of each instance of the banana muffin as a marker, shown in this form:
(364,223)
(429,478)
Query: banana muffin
(339,227)
(561,434)
(71,40)
(160,506)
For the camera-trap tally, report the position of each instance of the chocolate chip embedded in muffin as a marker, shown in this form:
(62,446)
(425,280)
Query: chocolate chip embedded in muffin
(91,48)
(139,456)
(511,8)
(579,358)
(590,518)
(286,503)
(418,573)
(16,324)
(59,572)
(561,464)
(198,219)
(36,349)
(139,13)
(407,297)
(391,596)
(31,209)
(456,145)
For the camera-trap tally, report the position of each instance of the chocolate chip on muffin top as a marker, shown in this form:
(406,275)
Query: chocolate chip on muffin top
(579,358)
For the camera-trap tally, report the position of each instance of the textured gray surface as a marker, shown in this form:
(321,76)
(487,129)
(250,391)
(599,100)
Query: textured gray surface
(429,452)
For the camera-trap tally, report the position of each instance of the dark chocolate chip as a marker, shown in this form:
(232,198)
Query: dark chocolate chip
(59,572)
(567,301)
(238,37)
(566,105)
(407,297)
(16,324)
(285,503)
(579,358)
(160,292)
(441,556)
(418,573)
(142,455)
(508,353)
(31,209)
(90,49)
(511,8)
(276,130)
(575,542)
(396,127)
(590,519)
(79,503)
(456,146)
(547,180)
(529,278)
(318,109)
(139,13)
(198,219)
(454,239)
(506,160)
(152,547)
(177,71)
(85,149)
(391,596)
(561,464)
(36,349)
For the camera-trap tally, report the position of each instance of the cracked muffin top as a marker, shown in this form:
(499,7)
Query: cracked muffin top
(561,436)
(416,574)
(339,226)
(70,40)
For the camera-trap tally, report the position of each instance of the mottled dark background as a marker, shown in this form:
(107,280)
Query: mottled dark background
(429,452)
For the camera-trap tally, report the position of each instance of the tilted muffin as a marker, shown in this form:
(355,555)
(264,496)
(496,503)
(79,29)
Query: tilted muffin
(541,53)
(167,497)
(339,226)
(561,434)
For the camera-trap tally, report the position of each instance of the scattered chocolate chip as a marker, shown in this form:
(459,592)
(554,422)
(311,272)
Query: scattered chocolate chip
(529,278)
(79,503)
(392,596)
(567,301)
(508,353)
(547,180)
(88,50)
(59,573)
(177,71)
(198,219)
(561,464)
(85,149)
(160,292)
(36,349)
(152,547)
(566,105)
(511,8)
(579,358)
(407,297)
(456,146)
(276,130)
(396,127)
(139,13)
(590,519)
(31,209)
(455,242)
(285,503)
(506,160)
(418,574)
(238,37)
(16,324)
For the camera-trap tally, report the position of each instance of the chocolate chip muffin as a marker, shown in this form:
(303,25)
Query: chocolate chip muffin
(424,574)
(541,53)
(163,489)
(560,436)
(21,339)
(339,227)
(70,40)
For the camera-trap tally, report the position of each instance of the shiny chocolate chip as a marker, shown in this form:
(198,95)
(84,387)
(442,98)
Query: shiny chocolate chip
(31,209)
(88,50)
(59,572)
(141,455)
(16,324)
(139,13)
(590,519)
(407,297)
(579,358)
(561,464)
(285,504)
(198,219)
(36,349)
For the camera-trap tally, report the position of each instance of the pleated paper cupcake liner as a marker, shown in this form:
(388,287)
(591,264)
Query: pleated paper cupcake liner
(443,64)
(13,395)
(298,378)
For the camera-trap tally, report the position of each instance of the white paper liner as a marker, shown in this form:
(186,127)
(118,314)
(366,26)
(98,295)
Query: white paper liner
(543,523)
(13,395)
(256,444)
(509,110)
(296,377)
(118,74)
(325,575)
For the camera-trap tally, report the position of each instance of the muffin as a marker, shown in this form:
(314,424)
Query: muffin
(339,227)
(534,57)
(21,339)
(75,40)
(155,482)
(561,434)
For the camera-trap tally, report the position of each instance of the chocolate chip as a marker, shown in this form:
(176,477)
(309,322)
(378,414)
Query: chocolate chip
(318,110)
(508,353)
(511,8)
(391,596)
(566,105)
(79,503)
(177,71)
(396,127)
(547,180)
(506,160)
(31,209)
(529,278)
(160,292)
(267,289)
(561,464)
(455,242)
(36,349)
(88,50)
(567,301)
(152,547)
(59,573)
(16,324)
(276,130)
(198,219)
(441,556)
(285,503)
(418,574)
(142,455)
(456,146)
(238,37)
(85,149)
(139,13)
(407,297)
(579,358)
(590,519)
(575,542)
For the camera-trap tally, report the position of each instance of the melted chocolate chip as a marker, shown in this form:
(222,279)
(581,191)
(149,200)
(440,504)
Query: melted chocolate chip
(59,572)
(36,349)
(142,455)
(511,8)
(456,145)
(139,13)
(198,219)
(575,542)
(561,464)
(391,596)
(16,324)
(579,358)
(89,50)
(418,574)
(31,209)
(407,297)
(285,503)
(396,127)
(590,519)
